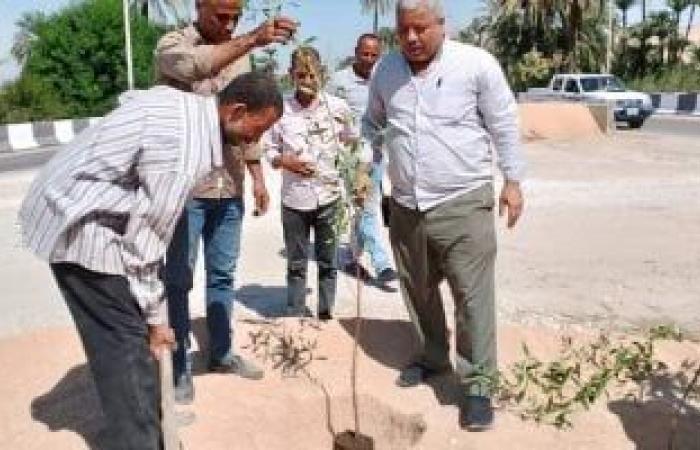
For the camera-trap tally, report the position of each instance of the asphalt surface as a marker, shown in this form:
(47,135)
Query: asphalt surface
(666,125)
(672,125)
(26,159)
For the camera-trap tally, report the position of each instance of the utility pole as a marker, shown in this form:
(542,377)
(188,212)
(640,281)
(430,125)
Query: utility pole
(127,45)
(608,52)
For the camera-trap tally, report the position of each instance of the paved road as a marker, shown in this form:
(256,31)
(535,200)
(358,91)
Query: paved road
(26,159)
(30,300)
(665,125)
(672,125)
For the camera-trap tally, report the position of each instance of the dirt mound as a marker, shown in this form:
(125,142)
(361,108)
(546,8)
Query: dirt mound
(556,120)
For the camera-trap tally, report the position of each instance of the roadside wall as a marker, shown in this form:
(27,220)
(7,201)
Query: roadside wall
(25,136)
(682,103)
(538,120)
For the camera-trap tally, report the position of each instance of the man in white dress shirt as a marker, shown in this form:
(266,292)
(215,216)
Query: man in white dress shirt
(441,108)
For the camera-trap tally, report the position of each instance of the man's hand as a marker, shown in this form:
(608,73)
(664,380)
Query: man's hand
(362,188)
(512,199)
(160,338)
(278,30)
(293,164)
(262,198)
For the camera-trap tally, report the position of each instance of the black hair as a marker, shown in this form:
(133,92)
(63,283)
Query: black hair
(367,36)
(256,90)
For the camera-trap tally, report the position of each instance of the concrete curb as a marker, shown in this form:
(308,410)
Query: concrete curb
(25,136)
(681,103)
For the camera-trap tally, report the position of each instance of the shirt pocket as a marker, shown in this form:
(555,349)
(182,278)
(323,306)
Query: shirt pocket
(446,104)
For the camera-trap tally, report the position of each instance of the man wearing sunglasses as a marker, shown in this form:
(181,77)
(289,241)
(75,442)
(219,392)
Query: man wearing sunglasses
(203,58)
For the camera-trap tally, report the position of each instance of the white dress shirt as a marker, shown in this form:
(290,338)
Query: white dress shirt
(352,88)
(439,125)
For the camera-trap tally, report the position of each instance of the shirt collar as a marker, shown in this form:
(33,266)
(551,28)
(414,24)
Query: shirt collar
(355,77)
(297,107)
(434,64)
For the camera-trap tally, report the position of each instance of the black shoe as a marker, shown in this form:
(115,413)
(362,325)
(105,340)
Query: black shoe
(415,374)
(304,311)
(183,390)
(387,276)
(325,316)
(476,414)
(236,364)
(355,269)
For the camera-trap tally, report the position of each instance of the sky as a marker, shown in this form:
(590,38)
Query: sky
(336,24)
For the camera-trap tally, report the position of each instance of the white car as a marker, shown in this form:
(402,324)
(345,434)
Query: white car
(630,106)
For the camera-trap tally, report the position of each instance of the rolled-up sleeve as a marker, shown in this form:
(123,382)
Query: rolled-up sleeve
(252,152)
(160,201)
(500,113)
(181,60)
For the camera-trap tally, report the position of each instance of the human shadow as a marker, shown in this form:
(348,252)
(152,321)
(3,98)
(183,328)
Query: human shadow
(648,423)
(72,405)
(392,343)
(268,301)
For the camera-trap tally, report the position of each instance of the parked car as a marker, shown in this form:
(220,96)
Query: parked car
(629,106)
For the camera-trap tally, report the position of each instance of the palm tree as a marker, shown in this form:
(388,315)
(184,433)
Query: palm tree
(677,7)
(624,6)
(693,4)
(377,7)
(573,14)
(27,26)
(387,36)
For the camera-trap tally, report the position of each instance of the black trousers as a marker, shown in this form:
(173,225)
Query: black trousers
(297,226)
(115,338)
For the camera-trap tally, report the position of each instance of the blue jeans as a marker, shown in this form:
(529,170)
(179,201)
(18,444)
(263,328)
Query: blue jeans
(218,222)
(367,234)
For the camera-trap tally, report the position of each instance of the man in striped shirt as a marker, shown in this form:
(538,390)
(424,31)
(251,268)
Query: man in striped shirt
(102,212)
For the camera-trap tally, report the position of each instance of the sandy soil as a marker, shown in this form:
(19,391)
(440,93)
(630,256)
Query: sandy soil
(51,402)
(609,240)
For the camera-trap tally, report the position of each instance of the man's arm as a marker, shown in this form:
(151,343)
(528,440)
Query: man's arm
(279,159)
(159,202)
(186,63)
(373,121)
(252,155)
(500,113)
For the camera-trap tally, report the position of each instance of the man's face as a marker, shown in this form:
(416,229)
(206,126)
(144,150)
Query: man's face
(306,78)
(217,19)
(420,34)
(242,127)
(366,54)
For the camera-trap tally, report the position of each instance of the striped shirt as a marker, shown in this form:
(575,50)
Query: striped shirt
(184,60)
(109,201)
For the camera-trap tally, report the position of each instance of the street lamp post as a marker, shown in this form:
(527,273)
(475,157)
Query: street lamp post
(127,45)
(608,50)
